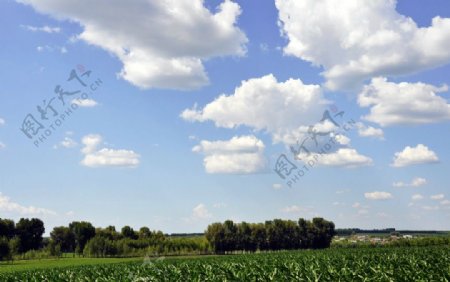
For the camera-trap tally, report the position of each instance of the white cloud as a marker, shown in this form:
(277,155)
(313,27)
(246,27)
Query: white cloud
(70,213)
(383,215)
(378,195)
(219,205)
(414,155)
(67,143)
(2,122)
(279,108)
(106,157)
(343,157)
(403,103)
(294,209)
(277,186)
(437,197)
(369,131)
(2,146)
(363,211)
(161,44)
(342,139)
(445,202)
(49,48)
(6,205)
(430,208)
(416,182)
(416,197)
(45,28)
(86,103)
(356,40)
(201,212)
(244,154)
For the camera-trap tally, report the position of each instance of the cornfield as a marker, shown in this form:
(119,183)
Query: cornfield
(368,264)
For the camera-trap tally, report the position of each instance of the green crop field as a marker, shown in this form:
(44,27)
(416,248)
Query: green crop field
(363,264)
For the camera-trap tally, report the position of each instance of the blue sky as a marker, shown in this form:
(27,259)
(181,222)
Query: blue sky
(197,103)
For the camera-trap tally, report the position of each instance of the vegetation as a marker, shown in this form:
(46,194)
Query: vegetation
(272,235)
(384,264)
(24,240)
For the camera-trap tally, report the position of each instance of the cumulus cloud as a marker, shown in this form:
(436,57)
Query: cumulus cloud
(403,103)
(2,122)
(369,131)
(416,182)
(201,212)
(356,40)
(414,155)
(45,28)
(279,108)
(378,195)
(240,155)
(85,103)
(94,157)
(161,44)
(6,205)
(343,157)
(416,197)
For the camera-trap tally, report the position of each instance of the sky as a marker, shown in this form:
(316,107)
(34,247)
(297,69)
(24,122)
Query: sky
(177,114)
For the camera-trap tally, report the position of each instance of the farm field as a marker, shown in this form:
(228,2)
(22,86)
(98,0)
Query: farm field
(23,265)
(360,264)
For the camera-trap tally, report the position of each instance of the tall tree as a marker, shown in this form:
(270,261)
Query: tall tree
(145,233)
(64,238)
(83,231)
(7,228)
(128,232)
(30,232)
(5,251)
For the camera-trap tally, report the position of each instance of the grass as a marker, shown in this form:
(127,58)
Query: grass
(23,265)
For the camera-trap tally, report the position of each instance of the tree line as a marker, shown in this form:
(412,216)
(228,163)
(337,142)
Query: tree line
(274,234)
(24,239)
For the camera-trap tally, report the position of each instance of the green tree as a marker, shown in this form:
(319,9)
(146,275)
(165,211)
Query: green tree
(83,232)
(30,232)
(323,231)
(14,245)
(128,232)
(145,233)
(215,234)
(7,228)
(5,251)
(259,237)
(64,237)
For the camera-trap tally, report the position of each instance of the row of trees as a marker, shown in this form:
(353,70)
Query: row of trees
(20,237)
(276,234)
(25,239)
(83,238)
